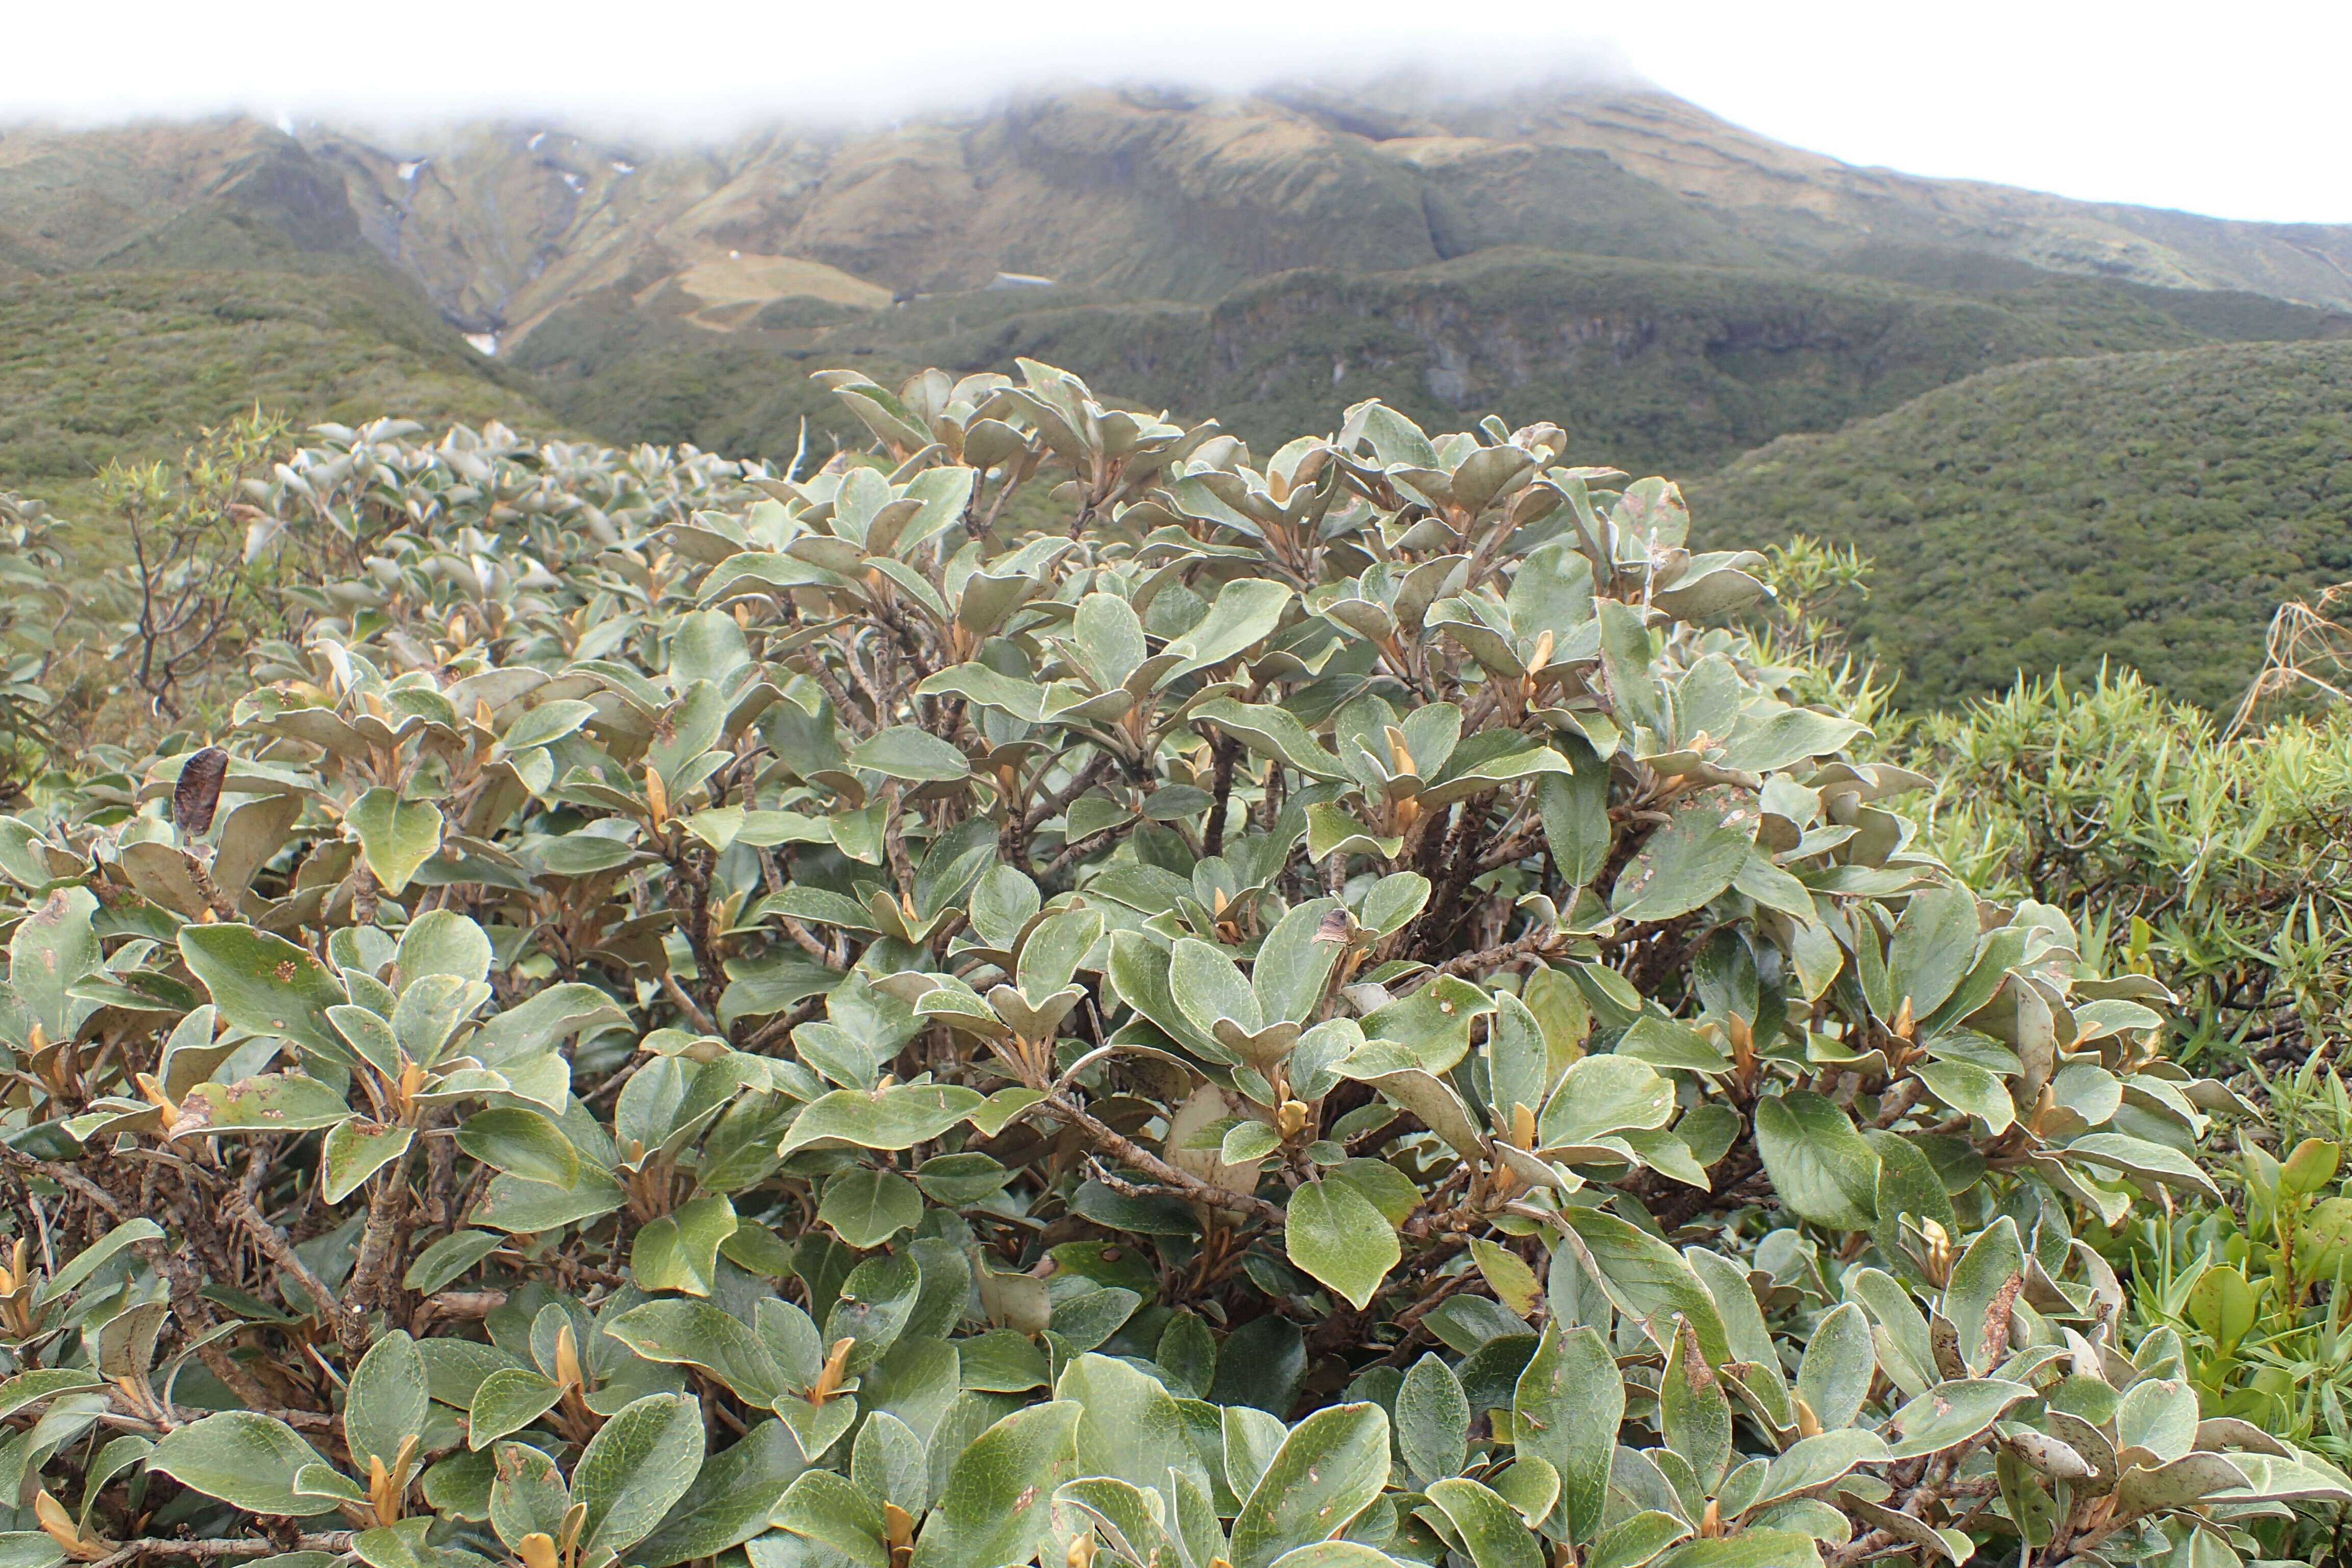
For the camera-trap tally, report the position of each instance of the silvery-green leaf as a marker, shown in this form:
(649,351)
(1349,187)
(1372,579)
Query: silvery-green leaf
(1491,1532)
(996,1504)
(1327,1470)
(1433,1420)
(386,1400)
(1684,864)
(1565,1410)
(1334,1233)
(243,1459)
(638,1463)
(396,835)
(1948,1413)
(2178,1483)
(1835,1377)
(1820,1167)
(2158,1415)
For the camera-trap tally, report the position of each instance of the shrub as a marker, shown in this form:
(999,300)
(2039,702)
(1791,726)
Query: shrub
(2218,863)
(1063,989)
(29,561)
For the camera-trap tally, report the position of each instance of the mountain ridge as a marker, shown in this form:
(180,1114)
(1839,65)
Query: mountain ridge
(1816,347)
(1146,192)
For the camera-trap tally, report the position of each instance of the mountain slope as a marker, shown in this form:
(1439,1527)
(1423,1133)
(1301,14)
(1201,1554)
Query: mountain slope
(1674,288)
(129,363)
(1800,205)
(1176,194)
(2149,508)
(1140,193)
(1660,366)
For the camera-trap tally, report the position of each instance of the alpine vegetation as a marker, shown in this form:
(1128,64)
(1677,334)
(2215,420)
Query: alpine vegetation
(1061,990)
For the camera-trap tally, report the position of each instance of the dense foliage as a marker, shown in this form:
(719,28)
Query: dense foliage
(29,596)
(126,364)
(2151,510)
(1675,365)
(2218,863)
(1065,990)
(2211,859)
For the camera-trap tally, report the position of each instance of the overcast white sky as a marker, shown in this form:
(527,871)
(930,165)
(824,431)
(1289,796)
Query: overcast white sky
(2238,109)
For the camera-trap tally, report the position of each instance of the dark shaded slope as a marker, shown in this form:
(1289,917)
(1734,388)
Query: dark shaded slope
(1656,365)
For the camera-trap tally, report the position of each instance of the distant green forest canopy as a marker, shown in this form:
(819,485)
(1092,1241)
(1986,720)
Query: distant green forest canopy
(131,363)
(2147,506)
(2145,509)
(1654,366)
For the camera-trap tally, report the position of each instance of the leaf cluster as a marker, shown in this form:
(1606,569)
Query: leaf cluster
(1061,989)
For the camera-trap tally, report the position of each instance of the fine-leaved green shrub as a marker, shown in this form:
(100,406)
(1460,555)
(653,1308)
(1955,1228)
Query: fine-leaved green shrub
(2220,863)
(1061,990)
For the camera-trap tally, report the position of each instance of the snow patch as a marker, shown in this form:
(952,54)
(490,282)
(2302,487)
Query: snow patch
(487,344)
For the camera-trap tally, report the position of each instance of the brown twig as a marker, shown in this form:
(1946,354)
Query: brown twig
(80,1186)
(1534,944)
(1142,1159)
(272,1240)
(686,1005)
(338,1542)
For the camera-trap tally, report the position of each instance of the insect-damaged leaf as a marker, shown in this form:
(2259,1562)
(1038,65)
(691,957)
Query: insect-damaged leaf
(197,791)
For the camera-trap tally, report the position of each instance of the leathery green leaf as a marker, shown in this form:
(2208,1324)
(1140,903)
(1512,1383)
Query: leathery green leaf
(1985,1284)
(1433,1420)
(1833,1378)
(523,1143)
(1566,1409)
(1327,1470)
(1820,1165)
(1950,1412)
(1633,1542)
(243,1459)
(1694,1413)
(386,1400)
(1131,1427)
(638,1463)
(1490,1531)
(396,835)
(680,1251)
(1647,1279)
(266,984)
(1335,1233)
(997,1501)
(356,1149)
(899,1117)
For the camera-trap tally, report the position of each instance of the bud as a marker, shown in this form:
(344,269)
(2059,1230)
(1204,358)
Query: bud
(656,797)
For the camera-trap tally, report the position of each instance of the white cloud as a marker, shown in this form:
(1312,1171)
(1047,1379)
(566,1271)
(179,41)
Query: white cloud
(2232,110)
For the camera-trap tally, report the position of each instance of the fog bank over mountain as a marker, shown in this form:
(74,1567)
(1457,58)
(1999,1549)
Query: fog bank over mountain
(2231,114)
(682,89)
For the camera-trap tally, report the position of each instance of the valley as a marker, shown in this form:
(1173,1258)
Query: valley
(1685,297)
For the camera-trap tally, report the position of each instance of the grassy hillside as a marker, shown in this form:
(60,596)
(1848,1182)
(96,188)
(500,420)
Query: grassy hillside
(2147,509)
(1653,365)
(130,362)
